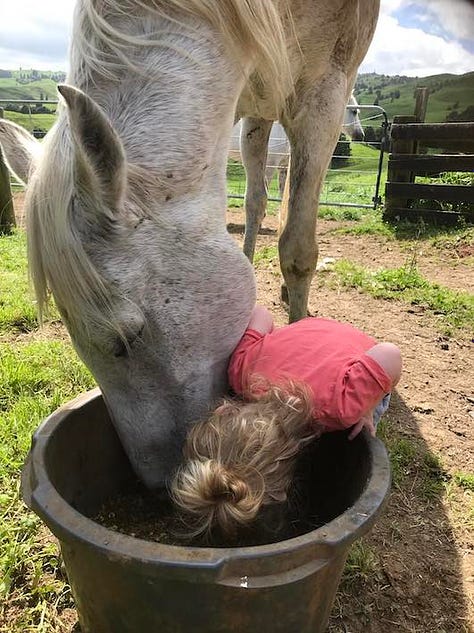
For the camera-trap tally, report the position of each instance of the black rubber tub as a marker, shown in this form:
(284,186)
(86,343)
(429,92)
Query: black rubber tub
(123,584)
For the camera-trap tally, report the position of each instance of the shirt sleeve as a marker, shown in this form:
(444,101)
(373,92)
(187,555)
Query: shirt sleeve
(241,359)
(360,386)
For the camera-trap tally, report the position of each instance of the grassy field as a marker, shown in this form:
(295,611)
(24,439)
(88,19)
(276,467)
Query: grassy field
(41,89)
(29,84)
(31,121)
(351,182)
(33,383)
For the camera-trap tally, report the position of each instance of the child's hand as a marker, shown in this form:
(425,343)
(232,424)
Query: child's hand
(366,421)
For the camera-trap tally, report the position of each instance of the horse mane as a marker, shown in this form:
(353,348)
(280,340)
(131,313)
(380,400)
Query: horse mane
(254,33)
(57,259)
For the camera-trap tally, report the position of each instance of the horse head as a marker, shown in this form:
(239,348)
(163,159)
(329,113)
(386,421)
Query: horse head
(352,125)
(154,302)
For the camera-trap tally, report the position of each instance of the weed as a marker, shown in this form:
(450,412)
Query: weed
(433,476)
(340,214)
(267,255)
(464,480)
(362,565)
(369,224)
(456,309)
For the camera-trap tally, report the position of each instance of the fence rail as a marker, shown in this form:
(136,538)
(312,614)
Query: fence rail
(408,159)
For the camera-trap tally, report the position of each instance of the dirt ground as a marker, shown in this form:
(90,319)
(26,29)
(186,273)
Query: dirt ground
(422,577)
(424,549)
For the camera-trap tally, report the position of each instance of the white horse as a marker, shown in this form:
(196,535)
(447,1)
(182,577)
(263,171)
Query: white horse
(126,200)
(279,146)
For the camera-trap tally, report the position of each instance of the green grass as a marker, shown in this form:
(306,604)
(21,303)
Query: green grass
(454,309)
(266,255)
(31,121)
(465,481)
(17,310)
(369,223)
(362,565)
(340,214)
(454,239)
(414,465)
(36,377)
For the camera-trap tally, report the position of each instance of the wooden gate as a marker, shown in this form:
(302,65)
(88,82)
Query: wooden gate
(408,159)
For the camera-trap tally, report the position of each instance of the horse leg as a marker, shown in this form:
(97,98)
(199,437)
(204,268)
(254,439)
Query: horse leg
(253,147)
(313,131)
(282,175)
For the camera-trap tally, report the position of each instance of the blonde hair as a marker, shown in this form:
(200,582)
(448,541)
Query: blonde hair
(241,459)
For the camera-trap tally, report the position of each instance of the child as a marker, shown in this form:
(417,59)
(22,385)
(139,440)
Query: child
(298,381)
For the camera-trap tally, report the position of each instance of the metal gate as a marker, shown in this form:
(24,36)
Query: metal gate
(354,177)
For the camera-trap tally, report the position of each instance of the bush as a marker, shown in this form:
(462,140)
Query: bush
(342,152)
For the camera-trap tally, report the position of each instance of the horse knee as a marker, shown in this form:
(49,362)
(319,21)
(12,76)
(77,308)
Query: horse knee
(298,257)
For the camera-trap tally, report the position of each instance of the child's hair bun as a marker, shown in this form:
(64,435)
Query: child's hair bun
(217,495)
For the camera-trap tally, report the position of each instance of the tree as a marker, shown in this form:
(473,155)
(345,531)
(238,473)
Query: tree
(369,134)
(342,152)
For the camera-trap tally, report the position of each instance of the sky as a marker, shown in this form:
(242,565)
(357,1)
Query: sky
(413,37)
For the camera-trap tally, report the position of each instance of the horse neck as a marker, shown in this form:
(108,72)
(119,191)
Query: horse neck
(174,109)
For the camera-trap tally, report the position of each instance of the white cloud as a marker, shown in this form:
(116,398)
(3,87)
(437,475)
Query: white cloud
(411,51)
(455,16)
(36,34)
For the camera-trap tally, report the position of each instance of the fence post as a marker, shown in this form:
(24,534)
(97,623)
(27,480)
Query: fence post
(421,103)
(7,213)
(394,175)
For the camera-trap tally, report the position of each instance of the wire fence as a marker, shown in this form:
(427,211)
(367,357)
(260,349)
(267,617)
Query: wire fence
(356,173)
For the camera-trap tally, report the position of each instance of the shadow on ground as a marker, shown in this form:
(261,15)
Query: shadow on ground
(406,575)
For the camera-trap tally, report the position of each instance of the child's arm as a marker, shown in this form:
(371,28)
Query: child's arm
(388,356)
(261,320)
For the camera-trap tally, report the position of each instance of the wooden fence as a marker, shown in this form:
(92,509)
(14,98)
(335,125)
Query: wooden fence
(409,159)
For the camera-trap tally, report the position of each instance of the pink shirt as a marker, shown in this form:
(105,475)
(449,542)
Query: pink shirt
(326,355)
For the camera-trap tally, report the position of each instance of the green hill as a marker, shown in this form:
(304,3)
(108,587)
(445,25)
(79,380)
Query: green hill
(450,95)
(29,84)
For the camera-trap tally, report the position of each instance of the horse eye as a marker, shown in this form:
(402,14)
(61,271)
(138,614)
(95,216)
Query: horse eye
(121,347)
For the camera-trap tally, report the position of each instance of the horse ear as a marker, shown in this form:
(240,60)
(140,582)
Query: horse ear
(20,148)
(101,156)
